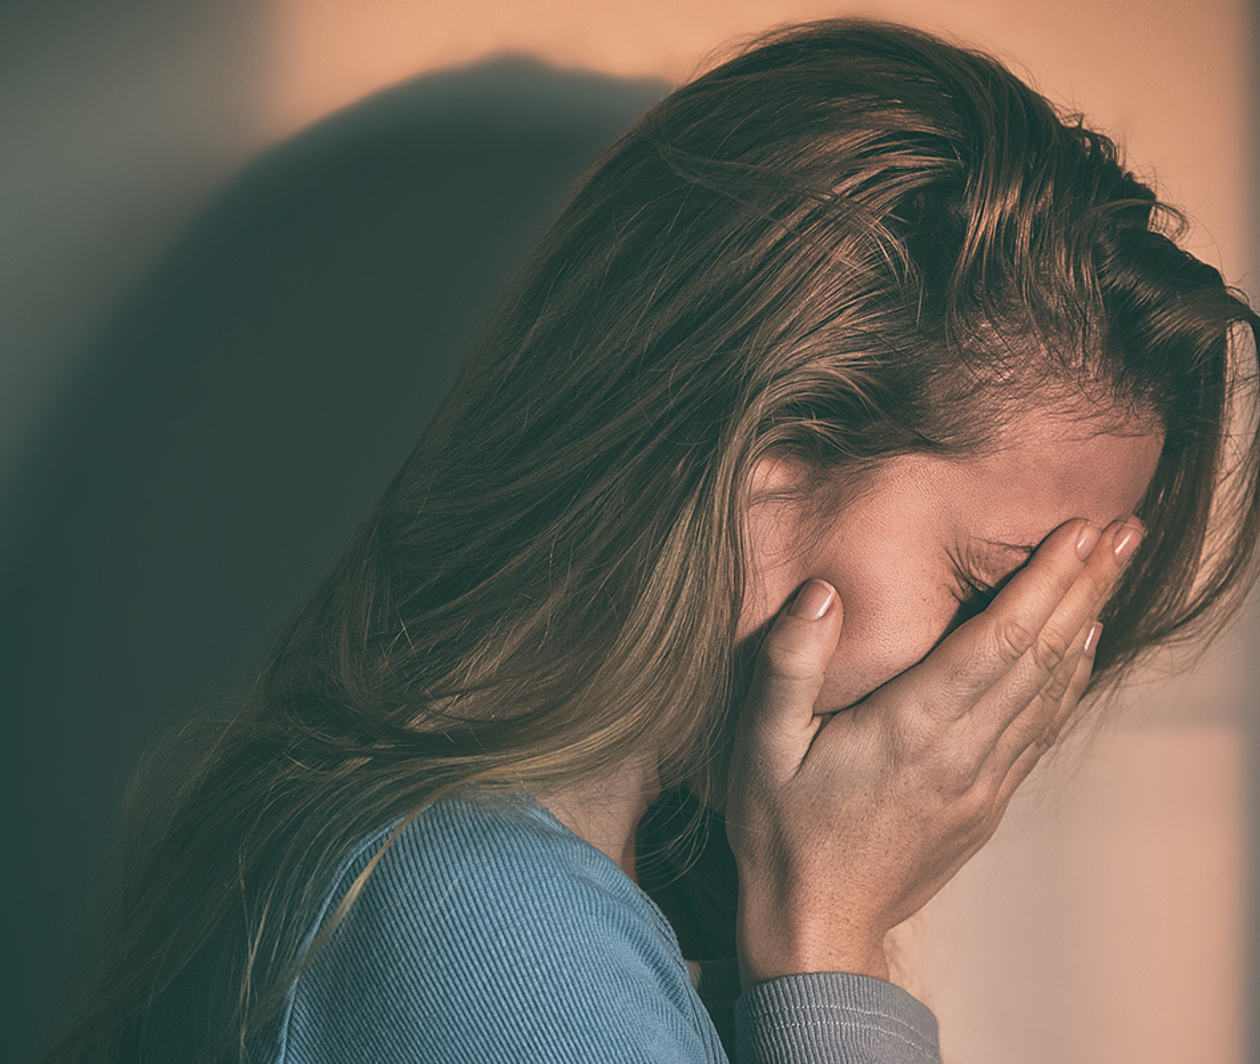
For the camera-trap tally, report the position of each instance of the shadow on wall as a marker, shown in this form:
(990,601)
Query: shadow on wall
(237,419)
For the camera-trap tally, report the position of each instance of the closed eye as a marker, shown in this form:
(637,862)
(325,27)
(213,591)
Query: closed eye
(974,597)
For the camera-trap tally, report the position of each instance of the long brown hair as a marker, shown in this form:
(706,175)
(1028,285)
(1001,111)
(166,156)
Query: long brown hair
(849,240)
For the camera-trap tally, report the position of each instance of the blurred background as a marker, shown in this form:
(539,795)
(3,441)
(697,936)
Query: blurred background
(241,247)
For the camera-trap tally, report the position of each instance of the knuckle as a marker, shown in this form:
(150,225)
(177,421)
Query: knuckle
(966,789)
(991,797)
(1014,639)
(1051,650)
(913,735)
(957,774)
(1056,690)
(976,803)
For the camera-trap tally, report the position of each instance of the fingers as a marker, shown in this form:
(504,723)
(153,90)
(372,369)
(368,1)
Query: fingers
(1076,688)
(1035,730)
(979,653)
(777,720)
(1069,622)
(990,668)
(1027,757)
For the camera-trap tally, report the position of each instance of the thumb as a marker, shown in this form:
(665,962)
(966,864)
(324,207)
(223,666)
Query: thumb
(777,719)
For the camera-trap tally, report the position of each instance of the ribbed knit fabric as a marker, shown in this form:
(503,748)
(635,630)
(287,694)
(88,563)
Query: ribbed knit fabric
(833,1016)
(491,933)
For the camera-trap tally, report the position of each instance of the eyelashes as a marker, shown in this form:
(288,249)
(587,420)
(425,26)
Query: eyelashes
(974,596)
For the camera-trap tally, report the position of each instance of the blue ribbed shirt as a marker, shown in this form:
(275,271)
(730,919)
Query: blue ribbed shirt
(490,933)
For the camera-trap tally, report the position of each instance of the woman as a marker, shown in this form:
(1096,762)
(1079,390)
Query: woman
(791,476)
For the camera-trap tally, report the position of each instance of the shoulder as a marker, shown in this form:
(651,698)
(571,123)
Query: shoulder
(499,846)
(469,865)
(487,930)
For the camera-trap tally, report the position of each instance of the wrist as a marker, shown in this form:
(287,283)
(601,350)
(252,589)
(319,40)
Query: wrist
(770,948)
(757,966)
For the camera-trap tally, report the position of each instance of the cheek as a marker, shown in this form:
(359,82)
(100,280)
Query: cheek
(887,629)
(897,602)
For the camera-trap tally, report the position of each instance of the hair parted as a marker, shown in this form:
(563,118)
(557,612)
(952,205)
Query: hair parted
(848,241)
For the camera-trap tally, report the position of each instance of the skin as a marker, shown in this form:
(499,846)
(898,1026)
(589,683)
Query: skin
(894,556)
(927,520)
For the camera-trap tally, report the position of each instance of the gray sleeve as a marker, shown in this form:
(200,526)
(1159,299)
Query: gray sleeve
(833,1018)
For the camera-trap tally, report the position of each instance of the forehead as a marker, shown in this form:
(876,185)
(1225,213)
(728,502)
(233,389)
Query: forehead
(1044,472)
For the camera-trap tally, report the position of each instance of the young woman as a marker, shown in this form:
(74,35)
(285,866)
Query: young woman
(793,475)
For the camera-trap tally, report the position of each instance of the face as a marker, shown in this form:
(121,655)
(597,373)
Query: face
(902,553)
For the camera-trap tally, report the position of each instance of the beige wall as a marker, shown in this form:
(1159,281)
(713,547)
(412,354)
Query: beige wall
(1169,74)
(1105,921)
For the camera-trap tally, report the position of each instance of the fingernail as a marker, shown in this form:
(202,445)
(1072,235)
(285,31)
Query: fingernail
(1127,541)
(813,600)
(1091,640)
(1085,542)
